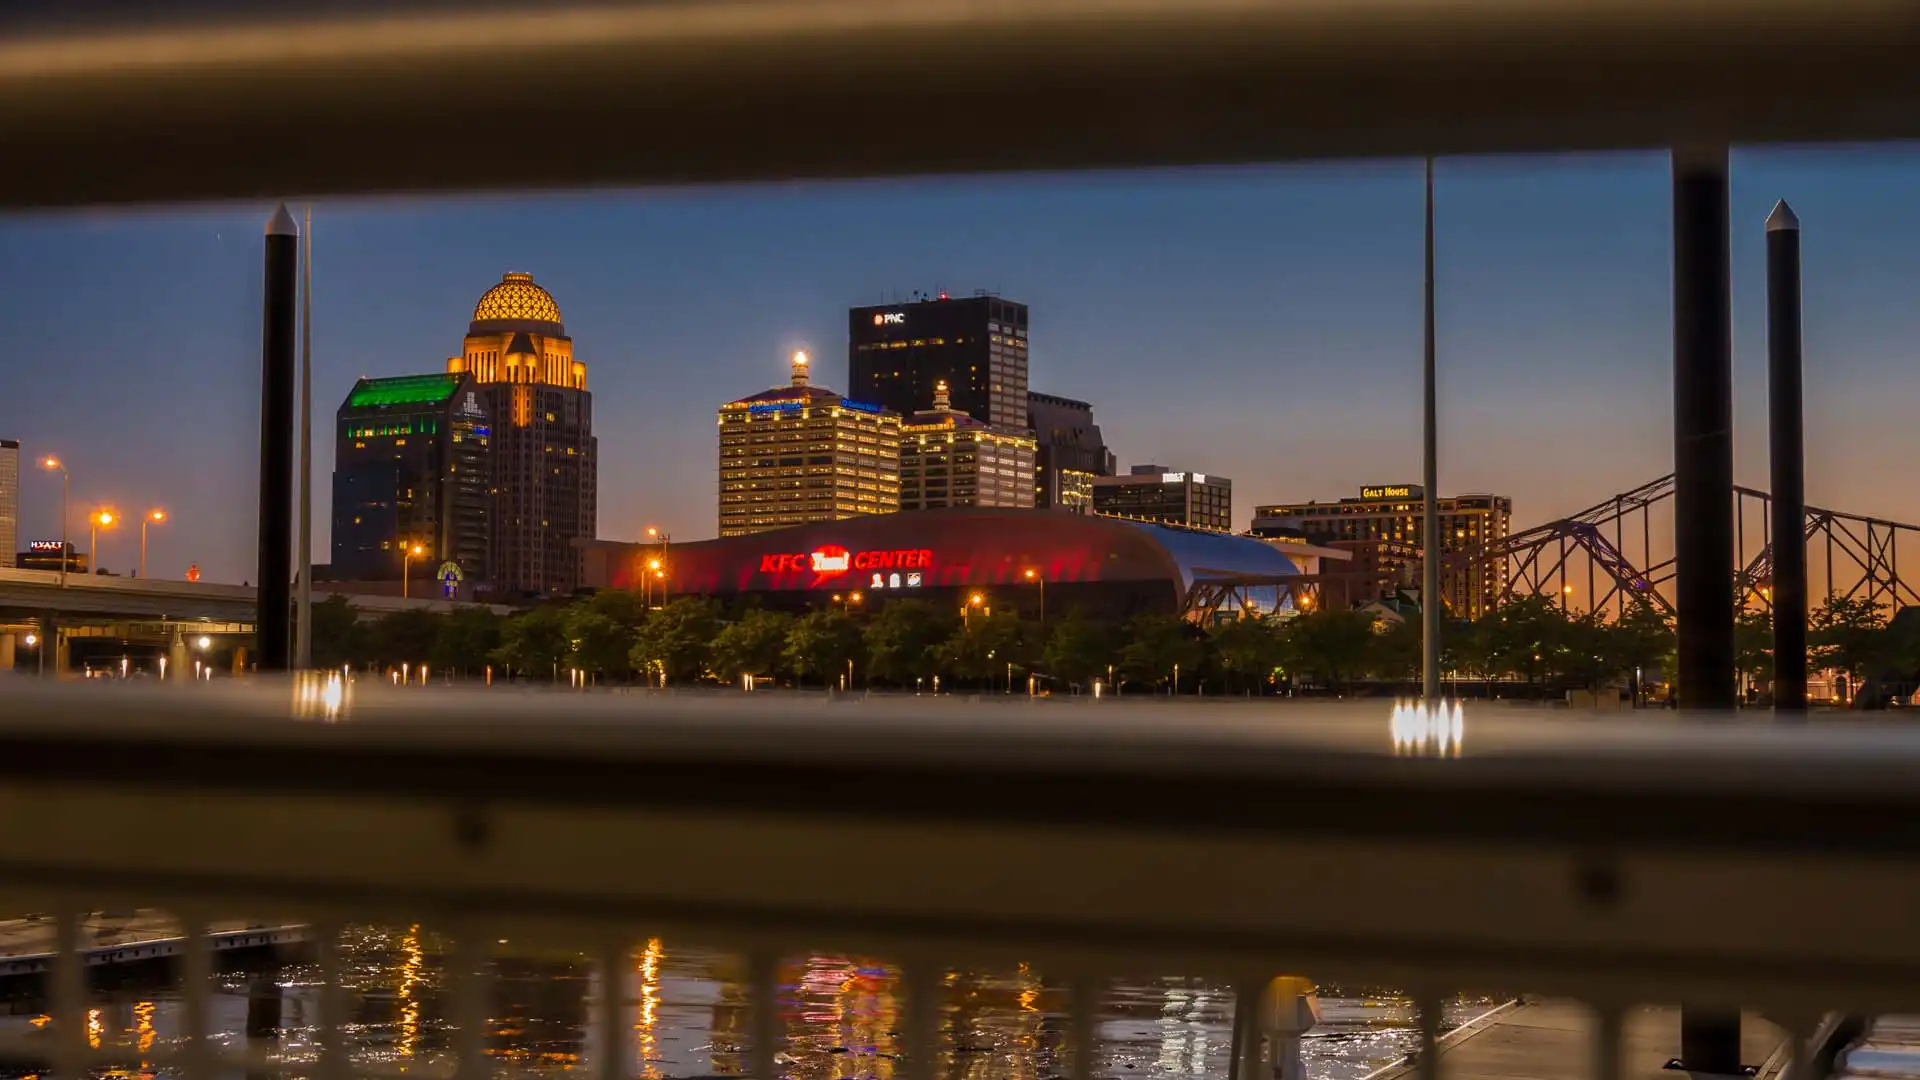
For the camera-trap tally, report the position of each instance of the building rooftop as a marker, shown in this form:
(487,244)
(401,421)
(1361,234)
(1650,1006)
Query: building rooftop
(404,390)
(518,300)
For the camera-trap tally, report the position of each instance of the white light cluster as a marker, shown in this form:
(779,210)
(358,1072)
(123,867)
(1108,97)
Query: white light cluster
(1420,729)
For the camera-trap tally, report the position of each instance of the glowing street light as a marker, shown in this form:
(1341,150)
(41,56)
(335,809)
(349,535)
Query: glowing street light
(966,612)
(153,517)
(406,565)
(52,464)
(1039,579)
(204,643)
(658,563)
(99,519)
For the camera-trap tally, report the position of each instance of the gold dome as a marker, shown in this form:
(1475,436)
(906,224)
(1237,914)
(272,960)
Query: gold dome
(517,298)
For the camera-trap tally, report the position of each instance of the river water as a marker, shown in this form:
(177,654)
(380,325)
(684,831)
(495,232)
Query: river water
(690,1017)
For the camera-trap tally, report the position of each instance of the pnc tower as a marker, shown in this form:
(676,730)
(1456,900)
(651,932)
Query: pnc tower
(897,354)
(544,467)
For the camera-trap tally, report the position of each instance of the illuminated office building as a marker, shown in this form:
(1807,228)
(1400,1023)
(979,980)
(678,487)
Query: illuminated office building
(9,499)
(896,353)
(1383,526)
(410,470)
(1070,453)
(1157,493)
(801,453)
(948,458)
(545,459)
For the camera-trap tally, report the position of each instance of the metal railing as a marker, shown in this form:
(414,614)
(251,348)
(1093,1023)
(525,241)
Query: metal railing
(1715,863)
(161,105)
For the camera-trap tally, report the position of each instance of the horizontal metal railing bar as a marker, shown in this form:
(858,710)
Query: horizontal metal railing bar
(1739,784)
(250,101)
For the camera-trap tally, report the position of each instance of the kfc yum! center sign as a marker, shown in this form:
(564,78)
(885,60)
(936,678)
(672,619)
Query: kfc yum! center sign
(833,565)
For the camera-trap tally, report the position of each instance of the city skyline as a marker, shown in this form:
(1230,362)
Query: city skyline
(1258,323)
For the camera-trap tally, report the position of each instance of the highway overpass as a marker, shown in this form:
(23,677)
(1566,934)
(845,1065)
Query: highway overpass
(146,610)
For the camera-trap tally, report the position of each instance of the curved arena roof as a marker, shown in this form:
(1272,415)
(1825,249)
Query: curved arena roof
(965,548)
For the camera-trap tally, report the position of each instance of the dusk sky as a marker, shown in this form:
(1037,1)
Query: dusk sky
(1259,323)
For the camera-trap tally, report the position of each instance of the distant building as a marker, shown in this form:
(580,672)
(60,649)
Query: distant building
(545,459)
(1383,529)
(948,458)
(1157,493)
(1070,453)
(411,469)
(45,555)
(801,453)
(9,500)
(976,345)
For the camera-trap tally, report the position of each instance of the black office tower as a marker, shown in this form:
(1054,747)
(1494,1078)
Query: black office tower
(411,470)
(896,353)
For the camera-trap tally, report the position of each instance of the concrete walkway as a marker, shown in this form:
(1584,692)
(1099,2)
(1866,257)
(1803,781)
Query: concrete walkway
(1553,1040)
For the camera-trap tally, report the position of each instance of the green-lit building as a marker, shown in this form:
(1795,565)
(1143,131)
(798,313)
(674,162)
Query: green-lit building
(411,473)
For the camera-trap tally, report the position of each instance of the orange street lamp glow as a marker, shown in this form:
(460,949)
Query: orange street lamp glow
(407,556)
(99,519)
(653,564)
(856,598)
(154,517)
(976,600)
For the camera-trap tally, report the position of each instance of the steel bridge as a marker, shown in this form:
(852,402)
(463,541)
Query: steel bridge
(1620,549)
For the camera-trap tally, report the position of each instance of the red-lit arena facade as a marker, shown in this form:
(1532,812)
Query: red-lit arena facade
(1105,567)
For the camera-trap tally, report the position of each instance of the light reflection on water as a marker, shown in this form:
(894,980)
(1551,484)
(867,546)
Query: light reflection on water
(689,1015)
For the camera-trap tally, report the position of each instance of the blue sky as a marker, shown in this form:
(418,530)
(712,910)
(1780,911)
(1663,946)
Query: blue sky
(1263,323)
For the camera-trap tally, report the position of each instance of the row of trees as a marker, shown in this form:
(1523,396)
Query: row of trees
(611,636)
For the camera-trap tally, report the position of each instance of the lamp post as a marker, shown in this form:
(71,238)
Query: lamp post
(153,517)
(99,519)
(657,564)
(66,549)
(406,566)
(1040,579)
(966,612)
(646,582)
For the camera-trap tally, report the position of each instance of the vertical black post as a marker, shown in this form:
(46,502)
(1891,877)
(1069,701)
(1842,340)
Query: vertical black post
(1788,449)
(1703,493)
(278,329)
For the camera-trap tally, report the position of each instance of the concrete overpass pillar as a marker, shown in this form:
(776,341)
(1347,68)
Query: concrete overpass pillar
(6,653)
(179,664)
(52,647)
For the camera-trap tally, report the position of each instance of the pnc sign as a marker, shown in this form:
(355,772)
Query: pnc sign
(832,560)
(890,318)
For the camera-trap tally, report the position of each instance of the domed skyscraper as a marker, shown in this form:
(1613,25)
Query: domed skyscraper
(544,458)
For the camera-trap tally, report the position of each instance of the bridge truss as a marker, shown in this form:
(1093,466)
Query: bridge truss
(1622,548)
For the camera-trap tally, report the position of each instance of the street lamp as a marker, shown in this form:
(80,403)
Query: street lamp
(659,562)
(1040,579)
(646,582)
(99,519)
(154,517)
(204,643)
(66,550)
(406,566)
(966,612)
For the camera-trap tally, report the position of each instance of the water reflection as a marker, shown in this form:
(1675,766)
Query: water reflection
(646,1043)
(688,1015)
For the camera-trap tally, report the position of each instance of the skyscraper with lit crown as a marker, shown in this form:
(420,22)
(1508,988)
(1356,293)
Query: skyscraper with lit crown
(948,458)
(544,458)
(800,453)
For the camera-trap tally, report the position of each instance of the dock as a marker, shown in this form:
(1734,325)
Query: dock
(1553,1040)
